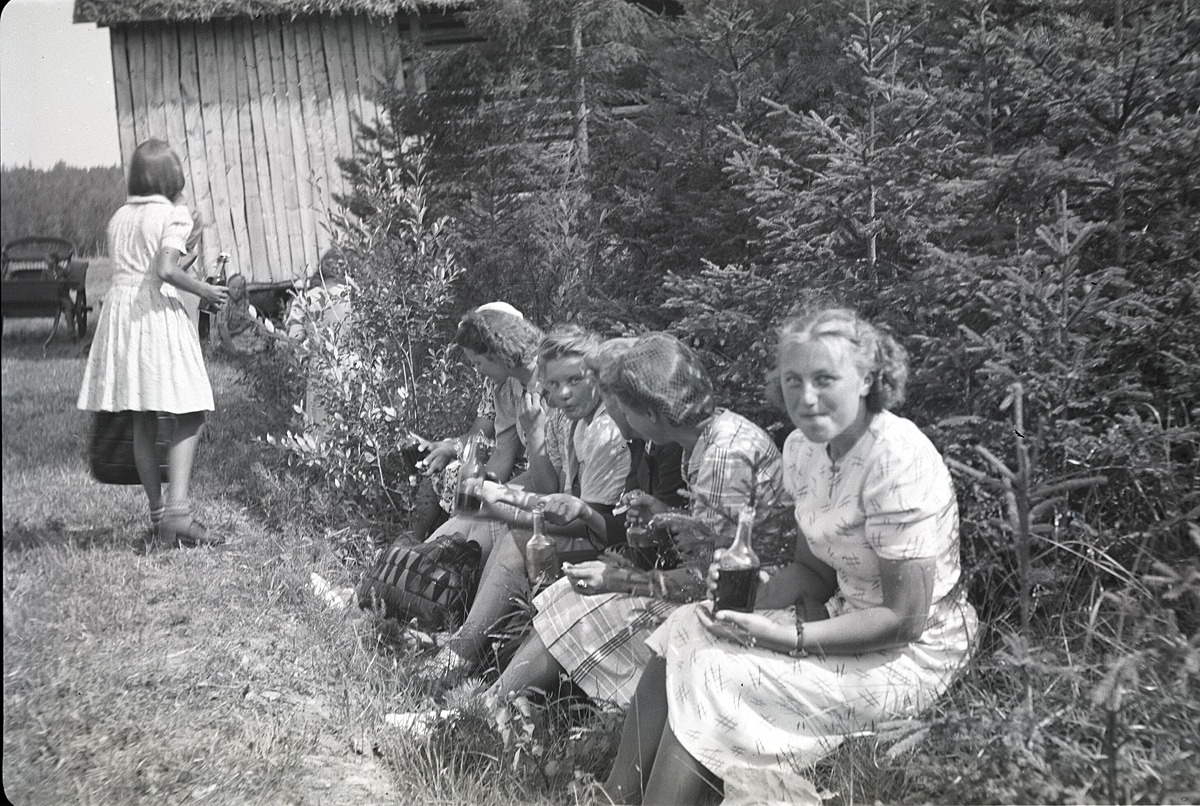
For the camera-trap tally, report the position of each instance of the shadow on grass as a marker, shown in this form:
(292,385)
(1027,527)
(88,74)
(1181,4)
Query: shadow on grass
(23,536)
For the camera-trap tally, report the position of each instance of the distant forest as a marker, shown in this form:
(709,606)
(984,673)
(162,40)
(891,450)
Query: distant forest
(64,202)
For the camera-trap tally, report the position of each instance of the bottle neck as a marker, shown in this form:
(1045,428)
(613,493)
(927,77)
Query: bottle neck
(743,542)
(469,453)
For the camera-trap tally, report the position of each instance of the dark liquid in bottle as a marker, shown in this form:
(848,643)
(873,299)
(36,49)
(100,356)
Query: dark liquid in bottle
(737,589)
(205,305)
(467,504)
(643,547)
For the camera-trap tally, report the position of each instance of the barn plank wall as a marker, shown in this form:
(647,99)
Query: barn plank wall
(317,168)
(213,135)
(323,111)
(193,142)
(255,224)
(126,136)
(267,133)
(231,141)
(339,102)
(271,64)
(260,111)
(301,160)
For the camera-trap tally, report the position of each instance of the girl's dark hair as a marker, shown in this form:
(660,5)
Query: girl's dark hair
(510,340)
(155,169)
(875,352)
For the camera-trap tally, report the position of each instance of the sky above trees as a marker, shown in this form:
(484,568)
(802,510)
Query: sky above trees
(56,88)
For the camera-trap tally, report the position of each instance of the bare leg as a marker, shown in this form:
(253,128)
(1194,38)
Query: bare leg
(145,456)
(532,667)
(677,778)
(503,578)
(181,456)
(645,723)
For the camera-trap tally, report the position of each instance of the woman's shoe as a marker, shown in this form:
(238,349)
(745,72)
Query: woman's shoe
(187,532)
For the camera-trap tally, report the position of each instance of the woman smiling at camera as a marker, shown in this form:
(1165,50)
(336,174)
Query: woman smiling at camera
(868,623)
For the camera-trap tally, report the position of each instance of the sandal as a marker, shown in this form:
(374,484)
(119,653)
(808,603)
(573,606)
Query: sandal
(186,531)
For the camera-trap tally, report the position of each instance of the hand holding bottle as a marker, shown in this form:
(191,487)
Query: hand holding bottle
(714,571)
(490,492)
(468,497)
(440,454)
(562,508)
(215,295)
(738,569)
(639,507)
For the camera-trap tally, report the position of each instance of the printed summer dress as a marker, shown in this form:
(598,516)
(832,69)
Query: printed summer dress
(146,352)
(753,712)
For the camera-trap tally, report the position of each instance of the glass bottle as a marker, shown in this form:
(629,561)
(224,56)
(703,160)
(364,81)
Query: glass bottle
(647,544)
(220,278)
(470,467)
(541,555)
(737,570)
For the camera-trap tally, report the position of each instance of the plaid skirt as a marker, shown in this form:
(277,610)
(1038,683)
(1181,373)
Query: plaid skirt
(599,640)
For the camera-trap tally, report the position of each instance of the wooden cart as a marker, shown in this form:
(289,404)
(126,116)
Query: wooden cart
(42,278)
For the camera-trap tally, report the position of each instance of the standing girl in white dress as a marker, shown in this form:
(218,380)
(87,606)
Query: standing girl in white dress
(146,354)
(868,623)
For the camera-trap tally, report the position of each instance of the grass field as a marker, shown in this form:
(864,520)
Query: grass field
(175,676)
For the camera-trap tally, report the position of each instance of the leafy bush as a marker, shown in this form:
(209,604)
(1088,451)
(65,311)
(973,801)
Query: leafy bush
(387,371)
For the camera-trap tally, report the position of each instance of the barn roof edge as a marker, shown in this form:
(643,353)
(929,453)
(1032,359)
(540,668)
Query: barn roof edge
(119,12)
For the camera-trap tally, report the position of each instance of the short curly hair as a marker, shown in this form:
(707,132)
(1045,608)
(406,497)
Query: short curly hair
(875,353)
(510,340)
(660,374)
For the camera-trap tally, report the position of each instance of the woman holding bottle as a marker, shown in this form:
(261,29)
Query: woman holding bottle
(867,623)
(593,623)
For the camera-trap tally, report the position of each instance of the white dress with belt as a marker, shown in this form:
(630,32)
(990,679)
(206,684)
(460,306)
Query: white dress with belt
(747,713)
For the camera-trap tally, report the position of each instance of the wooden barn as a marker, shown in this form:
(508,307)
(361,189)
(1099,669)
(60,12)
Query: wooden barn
(259,98)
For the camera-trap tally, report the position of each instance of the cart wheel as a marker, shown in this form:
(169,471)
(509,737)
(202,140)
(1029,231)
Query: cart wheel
(81,310)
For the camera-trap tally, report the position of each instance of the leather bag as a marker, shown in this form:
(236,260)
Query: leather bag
(430,583)
(110,447)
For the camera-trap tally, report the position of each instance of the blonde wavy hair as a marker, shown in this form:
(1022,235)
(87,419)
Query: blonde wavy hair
(875,353)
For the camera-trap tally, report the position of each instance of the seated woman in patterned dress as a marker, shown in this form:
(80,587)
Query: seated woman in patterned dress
(868,622)
(593,623)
